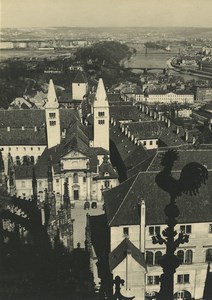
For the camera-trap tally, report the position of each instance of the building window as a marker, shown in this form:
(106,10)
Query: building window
(84,179)
(150,142)
(185,229)
(126,231)
(185,257)
(158,255)
(210,228)
(17,148)
(101,113)
(188,257)
(52,123)
(38,148)
(107,184)
(52,115)
(208,257)
(184,278)
(149,257)
(75,178)
(180,255)
(9,148)
(76,195)
(57,181)
(24,148)
(101,122)
(153,230)
(144,143)
(152,280)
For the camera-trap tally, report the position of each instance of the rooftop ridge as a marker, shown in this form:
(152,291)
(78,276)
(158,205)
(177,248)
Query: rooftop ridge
(124,198)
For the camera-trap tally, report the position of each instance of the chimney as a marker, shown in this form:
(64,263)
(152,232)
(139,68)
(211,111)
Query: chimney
(8,128)
(35,129)
(142,225)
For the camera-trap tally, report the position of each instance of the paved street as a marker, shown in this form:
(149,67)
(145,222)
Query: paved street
(79,215)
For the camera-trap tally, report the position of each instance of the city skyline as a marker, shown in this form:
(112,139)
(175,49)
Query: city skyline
(107,13)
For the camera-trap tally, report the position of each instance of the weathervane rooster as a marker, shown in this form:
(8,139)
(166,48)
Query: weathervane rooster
(192,176)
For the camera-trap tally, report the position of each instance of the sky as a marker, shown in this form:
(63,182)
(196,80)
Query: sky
(104,13)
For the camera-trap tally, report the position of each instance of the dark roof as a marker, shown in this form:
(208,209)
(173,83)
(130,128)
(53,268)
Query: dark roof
(122,202)
(28,136)
(80,78)
(142,166)
(122,250)
(130,153)
(126,112)
(145,130)
(34,117)
(185,156)
(114,98)
(203,113)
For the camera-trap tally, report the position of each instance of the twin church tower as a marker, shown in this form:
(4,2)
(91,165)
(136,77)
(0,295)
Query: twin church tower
(99,109)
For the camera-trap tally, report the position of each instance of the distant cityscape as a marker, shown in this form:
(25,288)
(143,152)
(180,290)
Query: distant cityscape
(105,134)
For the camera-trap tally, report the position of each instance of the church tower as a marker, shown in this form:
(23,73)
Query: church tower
(79,86)
(101,117)
(52,117)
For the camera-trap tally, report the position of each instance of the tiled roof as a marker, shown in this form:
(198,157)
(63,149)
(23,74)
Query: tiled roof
(31,118)
(126,112)
(114,98)
(80,78)
(185,156)
(17,118)
(130,153)
(122,250)
(142,166)
(146,129)
(28,136)
(122,202)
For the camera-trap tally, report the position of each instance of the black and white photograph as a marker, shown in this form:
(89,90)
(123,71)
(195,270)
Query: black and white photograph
(105,150)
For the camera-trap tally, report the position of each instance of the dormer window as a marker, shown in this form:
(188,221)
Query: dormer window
(106,174)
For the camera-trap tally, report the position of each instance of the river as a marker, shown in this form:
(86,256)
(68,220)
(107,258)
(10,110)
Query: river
(159,60)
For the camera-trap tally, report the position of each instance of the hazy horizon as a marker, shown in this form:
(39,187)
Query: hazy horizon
(105,13)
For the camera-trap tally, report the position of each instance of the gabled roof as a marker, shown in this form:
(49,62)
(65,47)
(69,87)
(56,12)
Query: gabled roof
(122,250)
(122,202)
(80,78)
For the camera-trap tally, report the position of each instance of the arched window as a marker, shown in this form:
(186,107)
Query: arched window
(149,257)
(75,178)
(188,257)
(208,257)
(158,255)
(180,255)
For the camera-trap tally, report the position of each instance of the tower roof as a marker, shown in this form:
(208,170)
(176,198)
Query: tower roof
(51,97)
(100,92)
(80,78)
